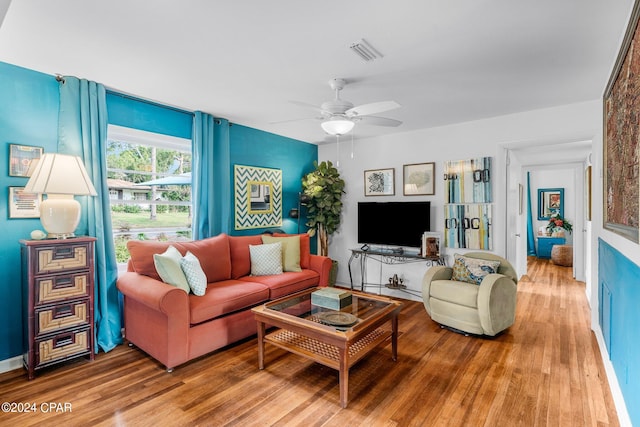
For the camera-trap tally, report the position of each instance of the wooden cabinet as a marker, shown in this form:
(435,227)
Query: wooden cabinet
(545,244)
(57,295)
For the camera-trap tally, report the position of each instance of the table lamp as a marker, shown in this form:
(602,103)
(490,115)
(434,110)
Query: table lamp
(60,177)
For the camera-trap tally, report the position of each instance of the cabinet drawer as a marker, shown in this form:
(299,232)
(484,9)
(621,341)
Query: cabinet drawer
(71,256)
(61,287)
(62,316)
(62,346)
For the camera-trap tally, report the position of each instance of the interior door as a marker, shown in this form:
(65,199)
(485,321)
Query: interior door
(516,243)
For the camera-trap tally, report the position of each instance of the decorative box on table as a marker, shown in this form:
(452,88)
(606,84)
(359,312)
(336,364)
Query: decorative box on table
(332,298)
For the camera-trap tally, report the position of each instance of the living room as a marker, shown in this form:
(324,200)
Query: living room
(29,110)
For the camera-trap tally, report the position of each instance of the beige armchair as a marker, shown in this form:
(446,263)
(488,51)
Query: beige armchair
(484,309)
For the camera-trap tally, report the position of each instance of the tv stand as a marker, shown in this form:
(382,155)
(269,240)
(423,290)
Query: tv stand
(390,257)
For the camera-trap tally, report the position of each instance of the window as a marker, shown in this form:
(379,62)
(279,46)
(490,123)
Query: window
(149,180)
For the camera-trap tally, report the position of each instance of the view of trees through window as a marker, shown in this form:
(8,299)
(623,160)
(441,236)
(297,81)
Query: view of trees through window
(150,192)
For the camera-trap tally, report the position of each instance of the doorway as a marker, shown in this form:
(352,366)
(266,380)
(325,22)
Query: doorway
(555,164)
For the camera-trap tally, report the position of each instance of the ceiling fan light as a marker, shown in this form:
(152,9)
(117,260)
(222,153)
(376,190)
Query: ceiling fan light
(338,126)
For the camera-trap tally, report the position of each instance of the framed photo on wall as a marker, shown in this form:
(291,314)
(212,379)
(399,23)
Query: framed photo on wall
(23,205)
(550,201)
(379,182)
(20,158)
(621,191)
(418,179)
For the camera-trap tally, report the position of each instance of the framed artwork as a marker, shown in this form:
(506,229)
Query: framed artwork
(550,201)
(23,205)
(257,197)
(621,191)
(468,226)
(468,181)
(20,158)
(431,244)
(379,182)
(418,179)
(587,195)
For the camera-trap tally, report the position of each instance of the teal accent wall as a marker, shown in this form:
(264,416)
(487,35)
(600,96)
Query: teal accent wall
(28,116)
(252,147)
(29,105)
(139,114)
(619,288)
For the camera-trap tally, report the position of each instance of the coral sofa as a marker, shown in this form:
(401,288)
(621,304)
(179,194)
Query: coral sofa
(174,326)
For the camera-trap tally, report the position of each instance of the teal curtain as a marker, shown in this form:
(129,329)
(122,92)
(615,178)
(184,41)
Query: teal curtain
(83,132)
(211,185)
(531,241)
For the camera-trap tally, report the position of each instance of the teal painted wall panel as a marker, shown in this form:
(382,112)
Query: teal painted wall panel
(619,278)
(252,147)
(29,103)
(28,116)
(138,114)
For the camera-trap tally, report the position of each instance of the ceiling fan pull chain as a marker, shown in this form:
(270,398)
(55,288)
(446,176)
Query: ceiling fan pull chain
(352,146)
(337,151)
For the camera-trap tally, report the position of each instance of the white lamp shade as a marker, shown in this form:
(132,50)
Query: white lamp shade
(337,126)
(60,177)
(60,174)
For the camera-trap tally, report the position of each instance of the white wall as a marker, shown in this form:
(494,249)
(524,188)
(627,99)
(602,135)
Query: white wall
(487,137)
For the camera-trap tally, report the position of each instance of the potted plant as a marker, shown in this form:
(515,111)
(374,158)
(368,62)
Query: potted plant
(558,225)
(322,191)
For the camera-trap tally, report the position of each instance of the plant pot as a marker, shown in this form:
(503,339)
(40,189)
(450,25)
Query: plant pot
(333,273)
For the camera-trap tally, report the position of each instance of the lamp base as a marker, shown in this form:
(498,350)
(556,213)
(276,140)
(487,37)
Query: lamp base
(60,215)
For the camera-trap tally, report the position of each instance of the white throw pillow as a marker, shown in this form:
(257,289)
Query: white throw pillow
(169,269)
(193,272)
(266,259)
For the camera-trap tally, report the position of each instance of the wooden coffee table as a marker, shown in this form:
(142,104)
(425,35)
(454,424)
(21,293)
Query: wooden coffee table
(302,332)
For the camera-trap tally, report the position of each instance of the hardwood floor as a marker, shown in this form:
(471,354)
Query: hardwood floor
(544,370)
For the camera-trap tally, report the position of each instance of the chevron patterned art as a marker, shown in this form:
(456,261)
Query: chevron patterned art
(258,197)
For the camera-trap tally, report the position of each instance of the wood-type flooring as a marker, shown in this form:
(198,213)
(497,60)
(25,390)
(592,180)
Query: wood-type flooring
(545,370)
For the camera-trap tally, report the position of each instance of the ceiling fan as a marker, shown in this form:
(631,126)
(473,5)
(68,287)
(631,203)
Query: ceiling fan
(340,116)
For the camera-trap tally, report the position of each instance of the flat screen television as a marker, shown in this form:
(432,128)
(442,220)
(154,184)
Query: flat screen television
(393,223)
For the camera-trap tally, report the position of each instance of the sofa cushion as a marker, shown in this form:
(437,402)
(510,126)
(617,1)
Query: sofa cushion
(193,272)
(142,252)
(286,283)
(305,248)
(212,252)
(214,256)
(226,297)
(461,293)
(290,251)
(167,265)
(240,257)
(473,270)
(266,259)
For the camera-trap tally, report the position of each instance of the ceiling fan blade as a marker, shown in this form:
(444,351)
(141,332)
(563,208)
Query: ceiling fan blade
(372,108)
(378,121)
(306,105)
(295,120)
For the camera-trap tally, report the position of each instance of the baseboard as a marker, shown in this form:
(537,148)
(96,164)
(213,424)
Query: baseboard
(614,386)
(10,364)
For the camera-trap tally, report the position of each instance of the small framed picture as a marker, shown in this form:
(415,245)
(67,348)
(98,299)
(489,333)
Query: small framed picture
(23,205)
(419,179)
(20,158)
(379,182)
(431,244)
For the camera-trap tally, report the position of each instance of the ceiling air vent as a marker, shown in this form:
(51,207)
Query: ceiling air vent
(365,51)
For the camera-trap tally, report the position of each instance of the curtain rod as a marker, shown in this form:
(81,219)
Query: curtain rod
(146,101)
(60,79)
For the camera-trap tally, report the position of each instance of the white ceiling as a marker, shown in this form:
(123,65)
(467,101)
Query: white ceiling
(445,61)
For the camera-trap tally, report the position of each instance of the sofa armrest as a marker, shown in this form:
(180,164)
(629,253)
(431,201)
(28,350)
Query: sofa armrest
(496,303)
(154,294)
(322,266)
(437,272)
